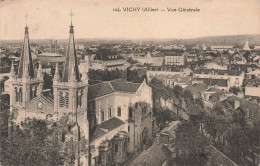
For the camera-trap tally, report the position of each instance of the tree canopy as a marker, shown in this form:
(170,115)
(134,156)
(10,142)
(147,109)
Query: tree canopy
(36,142)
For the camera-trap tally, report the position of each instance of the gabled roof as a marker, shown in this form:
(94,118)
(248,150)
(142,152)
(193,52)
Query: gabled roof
(125,86)
(98,90)
(106,127)
(105,88)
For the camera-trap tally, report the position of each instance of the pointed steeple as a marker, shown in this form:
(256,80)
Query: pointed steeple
(71,59)
(56,75)
(26,65)
(12,73)
(39,72)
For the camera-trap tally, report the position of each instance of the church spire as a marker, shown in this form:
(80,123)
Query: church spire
(56,74)
(12,73)
(71,58)
(26,65)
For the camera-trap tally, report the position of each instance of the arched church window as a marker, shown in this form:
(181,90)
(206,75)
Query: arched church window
(80,98)
(35,91)
(109,112)
(67,99)
(118,111)
(31,93)
(130,113)
(102,116)
(20,94)
(116,147)
(61,99)
(16,94)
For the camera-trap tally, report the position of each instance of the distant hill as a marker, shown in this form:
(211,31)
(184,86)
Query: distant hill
(211,40)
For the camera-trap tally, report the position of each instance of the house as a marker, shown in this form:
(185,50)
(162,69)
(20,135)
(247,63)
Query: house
(162,152)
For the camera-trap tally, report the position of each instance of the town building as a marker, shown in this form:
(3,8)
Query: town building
(175,59)
(221,48)
(149,59)
(167,70)
(234,77)
(120,106)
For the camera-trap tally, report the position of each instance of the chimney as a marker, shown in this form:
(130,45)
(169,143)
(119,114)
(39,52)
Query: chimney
(236,104)
(55,46)
(51,46)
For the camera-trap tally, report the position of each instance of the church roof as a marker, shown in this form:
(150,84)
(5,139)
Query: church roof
(104,88)
(98,90)
(26,65)
(125,86)
(106,127)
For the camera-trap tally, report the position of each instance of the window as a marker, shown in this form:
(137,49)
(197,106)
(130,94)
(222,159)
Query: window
(118,111)
(130,113)
(116,148)
(20,94)
(128,139)
(102,116)
(61,99)
(128,128)
(110,112)
(16,94)
(80,96)
(67,99)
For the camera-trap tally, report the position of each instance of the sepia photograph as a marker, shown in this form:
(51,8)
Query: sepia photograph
(129,83)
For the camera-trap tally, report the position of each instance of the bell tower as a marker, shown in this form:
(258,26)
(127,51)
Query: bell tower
(70,92)
(27,83)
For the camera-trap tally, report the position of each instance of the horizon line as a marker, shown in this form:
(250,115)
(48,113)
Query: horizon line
(133,38)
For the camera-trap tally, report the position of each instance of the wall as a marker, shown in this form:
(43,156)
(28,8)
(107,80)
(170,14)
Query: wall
(252,91)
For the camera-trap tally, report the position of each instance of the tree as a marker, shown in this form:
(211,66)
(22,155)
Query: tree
(177,91)
(234,90)
(190,145)
(36,142)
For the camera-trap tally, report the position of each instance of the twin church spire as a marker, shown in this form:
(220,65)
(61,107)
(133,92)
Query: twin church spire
(70,70)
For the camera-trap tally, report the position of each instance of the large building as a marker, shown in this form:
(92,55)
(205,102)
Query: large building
(69,96)
(120,106)
(175,59)
(110,119)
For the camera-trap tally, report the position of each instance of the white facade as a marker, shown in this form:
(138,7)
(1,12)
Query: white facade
(236,81)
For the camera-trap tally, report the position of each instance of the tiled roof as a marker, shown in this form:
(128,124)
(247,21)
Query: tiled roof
(253,108)
(104,88)
(125,86)
(108,125)
(212,89)
(216,158)
(158,153)
(213,82)
(98,90)
(218,72)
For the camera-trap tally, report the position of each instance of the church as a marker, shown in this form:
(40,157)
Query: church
(114,118)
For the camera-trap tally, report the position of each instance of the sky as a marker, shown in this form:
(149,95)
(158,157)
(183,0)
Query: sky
(49,19)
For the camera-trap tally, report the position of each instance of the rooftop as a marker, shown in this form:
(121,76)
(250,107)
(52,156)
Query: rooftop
(106,127)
